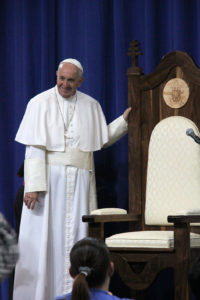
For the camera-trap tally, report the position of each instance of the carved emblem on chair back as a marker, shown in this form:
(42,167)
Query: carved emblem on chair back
(176,93)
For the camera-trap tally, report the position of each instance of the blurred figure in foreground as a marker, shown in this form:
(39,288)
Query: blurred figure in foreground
(194,278)
(8,248)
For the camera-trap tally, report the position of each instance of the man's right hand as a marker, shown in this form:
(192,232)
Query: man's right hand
(30,199)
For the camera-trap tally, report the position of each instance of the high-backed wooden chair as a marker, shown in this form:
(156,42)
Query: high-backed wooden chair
(164,176)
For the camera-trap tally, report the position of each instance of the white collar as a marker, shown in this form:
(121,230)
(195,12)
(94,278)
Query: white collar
(72,98)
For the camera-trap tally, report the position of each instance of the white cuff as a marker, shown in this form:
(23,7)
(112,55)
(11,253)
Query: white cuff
(116,130)
(35,175)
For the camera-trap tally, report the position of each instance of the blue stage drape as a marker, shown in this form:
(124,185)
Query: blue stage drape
(36,35)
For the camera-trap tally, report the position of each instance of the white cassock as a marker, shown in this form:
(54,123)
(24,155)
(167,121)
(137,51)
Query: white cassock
(60,136)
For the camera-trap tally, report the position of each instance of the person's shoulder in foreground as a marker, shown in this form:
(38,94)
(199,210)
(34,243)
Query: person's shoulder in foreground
(95,294)
(8,248)
(91,268)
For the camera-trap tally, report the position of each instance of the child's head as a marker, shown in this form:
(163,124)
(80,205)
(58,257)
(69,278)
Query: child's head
(91,258)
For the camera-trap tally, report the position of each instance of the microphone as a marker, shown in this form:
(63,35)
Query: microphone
(190,132)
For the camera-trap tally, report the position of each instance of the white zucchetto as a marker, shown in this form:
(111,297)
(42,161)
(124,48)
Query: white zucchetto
(72,61)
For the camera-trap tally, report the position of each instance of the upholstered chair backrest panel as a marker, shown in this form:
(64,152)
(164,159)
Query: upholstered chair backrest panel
(173,172)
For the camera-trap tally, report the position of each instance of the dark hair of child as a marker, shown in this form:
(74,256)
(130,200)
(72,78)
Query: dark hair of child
(90,259)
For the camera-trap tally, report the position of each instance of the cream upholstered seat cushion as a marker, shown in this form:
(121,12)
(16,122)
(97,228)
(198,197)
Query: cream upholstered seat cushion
(109,211)
(148,239)
(173,174)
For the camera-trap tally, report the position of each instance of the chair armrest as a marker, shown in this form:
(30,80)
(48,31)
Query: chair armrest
(180,219)
(182,234)
(111,218)
(96,222)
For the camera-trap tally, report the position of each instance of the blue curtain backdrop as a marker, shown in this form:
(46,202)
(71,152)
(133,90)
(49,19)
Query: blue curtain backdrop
(36,35)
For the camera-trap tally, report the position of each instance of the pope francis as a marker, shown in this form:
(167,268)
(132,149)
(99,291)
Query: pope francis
(61,128)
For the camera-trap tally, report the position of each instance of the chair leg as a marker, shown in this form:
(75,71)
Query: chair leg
(181,286)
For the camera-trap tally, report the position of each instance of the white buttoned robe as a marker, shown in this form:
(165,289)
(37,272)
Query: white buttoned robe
(66,192)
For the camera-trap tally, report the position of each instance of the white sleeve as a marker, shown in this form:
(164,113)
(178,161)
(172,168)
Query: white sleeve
(116,130)
(35,169)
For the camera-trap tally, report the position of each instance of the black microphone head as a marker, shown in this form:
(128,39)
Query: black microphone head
(189,131)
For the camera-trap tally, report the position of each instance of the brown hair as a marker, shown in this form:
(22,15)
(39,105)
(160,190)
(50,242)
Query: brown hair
(90,259)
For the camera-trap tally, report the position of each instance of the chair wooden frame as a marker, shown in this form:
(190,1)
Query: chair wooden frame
(146,98)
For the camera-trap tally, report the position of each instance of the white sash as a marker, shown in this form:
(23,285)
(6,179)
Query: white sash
(71,157)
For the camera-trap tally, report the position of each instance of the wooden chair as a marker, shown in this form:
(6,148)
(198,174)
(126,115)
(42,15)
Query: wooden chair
(165,104)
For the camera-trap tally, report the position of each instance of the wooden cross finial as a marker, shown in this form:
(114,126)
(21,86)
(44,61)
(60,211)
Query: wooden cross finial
(134,51)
